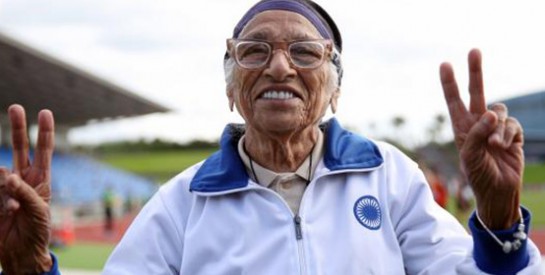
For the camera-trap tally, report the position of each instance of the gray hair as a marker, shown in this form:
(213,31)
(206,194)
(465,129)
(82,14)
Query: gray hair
(229,71)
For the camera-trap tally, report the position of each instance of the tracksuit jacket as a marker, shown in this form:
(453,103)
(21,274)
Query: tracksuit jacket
(367,210)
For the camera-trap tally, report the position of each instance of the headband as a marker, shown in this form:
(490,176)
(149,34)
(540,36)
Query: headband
(293,6)
(313,12)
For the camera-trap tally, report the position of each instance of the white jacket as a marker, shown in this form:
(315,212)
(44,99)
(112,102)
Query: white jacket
(368,210)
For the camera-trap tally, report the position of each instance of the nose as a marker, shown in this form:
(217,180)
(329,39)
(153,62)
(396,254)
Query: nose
(279,68)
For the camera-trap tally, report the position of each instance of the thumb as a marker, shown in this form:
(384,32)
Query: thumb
(479,133)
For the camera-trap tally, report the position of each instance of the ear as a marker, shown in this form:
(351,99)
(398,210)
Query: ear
(334,99)
(230,98)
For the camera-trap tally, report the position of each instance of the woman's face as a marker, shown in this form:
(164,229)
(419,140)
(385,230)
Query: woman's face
(279,97)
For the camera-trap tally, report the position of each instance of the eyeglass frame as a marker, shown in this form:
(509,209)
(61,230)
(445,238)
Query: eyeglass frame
(329,51)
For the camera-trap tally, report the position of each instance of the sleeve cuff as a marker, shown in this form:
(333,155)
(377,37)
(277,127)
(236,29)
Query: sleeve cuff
(54,268)
(489,255)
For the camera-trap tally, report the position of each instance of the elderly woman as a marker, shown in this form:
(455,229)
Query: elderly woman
(288,194)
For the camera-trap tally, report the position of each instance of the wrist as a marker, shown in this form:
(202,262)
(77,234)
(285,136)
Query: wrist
(508,245)
(498,257)
(499,213)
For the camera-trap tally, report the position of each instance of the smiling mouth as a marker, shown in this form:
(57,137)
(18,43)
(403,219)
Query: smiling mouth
(279,95)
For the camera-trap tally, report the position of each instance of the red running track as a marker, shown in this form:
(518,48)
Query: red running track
(94,232)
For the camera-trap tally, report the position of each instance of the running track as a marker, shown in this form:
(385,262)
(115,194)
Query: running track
(94,232)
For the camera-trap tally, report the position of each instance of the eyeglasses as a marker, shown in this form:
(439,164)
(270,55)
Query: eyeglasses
(304,55)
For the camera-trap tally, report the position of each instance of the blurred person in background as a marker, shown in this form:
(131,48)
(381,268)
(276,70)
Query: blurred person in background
(108,199)
(465,199)
(435,180)
(289,193)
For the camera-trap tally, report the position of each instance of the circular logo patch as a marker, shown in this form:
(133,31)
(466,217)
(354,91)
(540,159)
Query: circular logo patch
(367,212)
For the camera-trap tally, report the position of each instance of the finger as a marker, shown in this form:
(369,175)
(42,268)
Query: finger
(477,104)
(456,107)
(3,173)
(512,133)
(45,144)
(519,131)
(497,138)
(3,192)
(479,132)
(19,137)
(22,192)
(12,205)
(8,205)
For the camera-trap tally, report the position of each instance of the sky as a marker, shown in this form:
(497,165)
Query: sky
(171,51)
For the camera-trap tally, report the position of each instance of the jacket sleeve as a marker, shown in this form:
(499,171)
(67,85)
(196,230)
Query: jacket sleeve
(489,255)
(55,268)
(153,244)
(433,242)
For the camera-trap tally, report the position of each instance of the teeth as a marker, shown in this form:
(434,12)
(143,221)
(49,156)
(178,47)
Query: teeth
(277,95)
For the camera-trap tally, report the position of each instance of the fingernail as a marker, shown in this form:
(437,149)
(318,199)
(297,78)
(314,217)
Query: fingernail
(487,119)
(496,137)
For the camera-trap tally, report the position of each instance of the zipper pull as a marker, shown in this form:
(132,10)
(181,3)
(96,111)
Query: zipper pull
(298,231)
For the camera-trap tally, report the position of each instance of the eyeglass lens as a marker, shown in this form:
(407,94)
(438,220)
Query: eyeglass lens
(255,54)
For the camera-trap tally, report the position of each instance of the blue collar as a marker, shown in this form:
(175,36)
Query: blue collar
(224,170)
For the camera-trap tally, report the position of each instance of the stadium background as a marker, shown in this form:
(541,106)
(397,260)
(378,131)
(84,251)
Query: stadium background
(36,81)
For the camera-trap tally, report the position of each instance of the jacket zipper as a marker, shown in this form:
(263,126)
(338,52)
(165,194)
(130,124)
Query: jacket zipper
(299,238)
(297,219)
(297,226)
(298,231)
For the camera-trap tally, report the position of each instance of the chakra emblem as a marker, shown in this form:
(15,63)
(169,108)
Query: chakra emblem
(367,212)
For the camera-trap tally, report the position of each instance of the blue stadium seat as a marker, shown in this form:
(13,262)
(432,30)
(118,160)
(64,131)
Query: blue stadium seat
(78,180)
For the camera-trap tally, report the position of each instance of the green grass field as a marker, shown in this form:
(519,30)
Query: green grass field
(534,200)
(86,256)
(534,174)
(160,166)
(163,165)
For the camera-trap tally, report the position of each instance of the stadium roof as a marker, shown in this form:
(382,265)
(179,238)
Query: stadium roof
(36,81)
(530,111)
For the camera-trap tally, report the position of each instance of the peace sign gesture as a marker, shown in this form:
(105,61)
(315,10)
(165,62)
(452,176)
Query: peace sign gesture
(489,143)
(25,194)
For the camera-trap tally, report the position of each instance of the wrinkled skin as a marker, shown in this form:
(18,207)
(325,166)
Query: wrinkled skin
(490,147)
(25,194)
(281,133)
(489,144)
